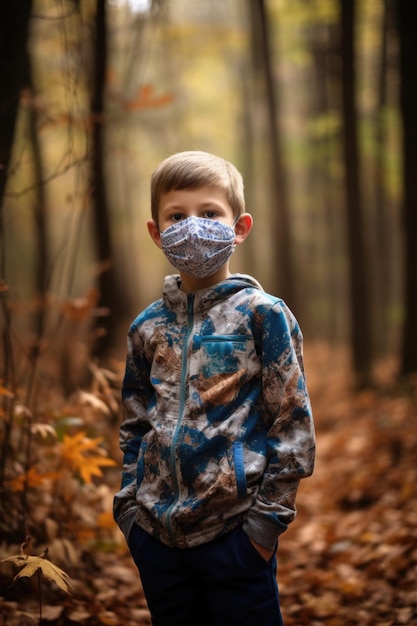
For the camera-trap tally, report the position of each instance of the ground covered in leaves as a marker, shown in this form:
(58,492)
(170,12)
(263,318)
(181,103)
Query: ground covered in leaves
(350,558)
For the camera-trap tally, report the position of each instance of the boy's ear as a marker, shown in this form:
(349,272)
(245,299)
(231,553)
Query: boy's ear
(154,233)
(243,227)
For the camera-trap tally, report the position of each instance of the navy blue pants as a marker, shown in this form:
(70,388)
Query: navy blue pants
(225,582)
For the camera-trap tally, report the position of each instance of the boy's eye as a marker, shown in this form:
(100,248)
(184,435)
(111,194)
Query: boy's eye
(210,215)
(176,217)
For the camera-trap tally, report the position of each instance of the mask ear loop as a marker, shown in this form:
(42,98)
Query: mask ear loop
(233,226)
(236,220)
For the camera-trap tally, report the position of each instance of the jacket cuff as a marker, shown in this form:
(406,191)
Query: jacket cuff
(262,530)
(124,511)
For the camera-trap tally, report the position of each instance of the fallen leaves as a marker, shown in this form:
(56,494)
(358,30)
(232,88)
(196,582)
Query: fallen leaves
(349,558)
(351,555)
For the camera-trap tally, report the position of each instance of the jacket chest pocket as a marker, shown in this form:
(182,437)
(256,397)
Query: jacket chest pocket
(221,354)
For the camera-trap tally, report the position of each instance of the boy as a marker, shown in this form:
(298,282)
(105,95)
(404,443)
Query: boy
(217,428)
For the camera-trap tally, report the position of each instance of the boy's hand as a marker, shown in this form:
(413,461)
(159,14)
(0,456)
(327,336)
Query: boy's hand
(264,552)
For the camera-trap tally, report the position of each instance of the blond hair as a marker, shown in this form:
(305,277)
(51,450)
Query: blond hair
(194,169)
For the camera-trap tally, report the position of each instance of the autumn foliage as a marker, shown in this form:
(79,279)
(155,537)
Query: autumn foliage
(350,557)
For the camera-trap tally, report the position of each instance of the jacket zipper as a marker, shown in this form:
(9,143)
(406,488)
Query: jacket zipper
(176,436)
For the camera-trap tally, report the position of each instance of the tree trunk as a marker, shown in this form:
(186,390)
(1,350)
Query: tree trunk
(359,283)
(110,301)
(14,26)
(407,19)
(41,237)
(247,140)
(280,223)
(327,245)
(382,265)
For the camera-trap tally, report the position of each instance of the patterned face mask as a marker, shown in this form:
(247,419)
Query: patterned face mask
(198,246)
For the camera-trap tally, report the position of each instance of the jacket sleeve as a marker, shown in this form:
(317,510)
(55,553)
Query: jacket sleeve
(136,395)
(291,439)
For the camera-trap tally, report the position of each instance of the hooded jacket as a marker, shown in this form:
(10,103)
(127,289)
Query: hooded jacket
(217,427)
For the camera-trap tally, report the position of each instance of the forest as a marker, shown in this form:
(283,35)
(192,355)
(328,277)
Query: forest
(314,101)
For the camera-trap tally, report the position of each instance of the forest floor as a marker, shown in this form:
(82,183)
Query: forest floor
(349,558)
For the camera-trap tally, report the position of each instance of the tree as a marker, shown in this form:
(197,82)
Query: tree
(383,246)
(282,258)
(41,236)
(359,283)
(406,17)
(325,144)
(111,298)
(14,27)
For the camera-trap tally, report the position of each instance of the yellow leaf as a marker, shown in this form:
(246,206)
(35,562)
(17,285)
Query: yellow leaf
(77,451)
(31,564)
(91,467)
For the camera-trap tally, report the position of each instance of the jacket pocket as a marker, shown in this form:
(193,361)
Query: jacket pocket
(140,468)
(221,354)
(239,465)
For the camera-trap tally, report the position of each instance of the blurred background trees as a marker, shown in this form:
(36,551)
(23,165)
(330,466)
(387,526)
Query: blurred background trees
(314,101)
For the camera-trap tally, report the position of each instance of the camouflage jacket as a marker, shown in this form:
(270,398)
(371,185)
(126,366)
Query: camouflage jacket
(217,427)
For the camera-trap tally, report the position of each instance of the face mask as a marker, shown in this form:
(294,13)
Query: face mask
(198,246)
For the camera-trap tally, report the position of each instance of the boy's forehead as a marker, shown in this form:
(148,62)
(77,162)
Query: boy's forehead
(205,194)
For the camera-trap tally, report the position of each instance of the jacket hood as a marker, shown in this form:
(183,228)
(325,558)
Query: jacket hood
(177,299)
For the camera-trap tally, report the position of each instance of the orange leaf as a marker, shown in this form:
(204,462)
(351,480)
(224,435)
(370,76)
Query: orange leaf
(78,452)
(146,99)
(32,478)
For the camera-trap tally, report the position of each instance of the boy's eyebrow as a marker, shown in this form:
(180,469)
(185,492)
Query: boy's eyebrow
(202,205)
(210,203)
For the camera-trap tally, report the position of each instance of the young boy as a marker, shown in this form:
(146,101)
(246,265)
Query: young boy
(217,428)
